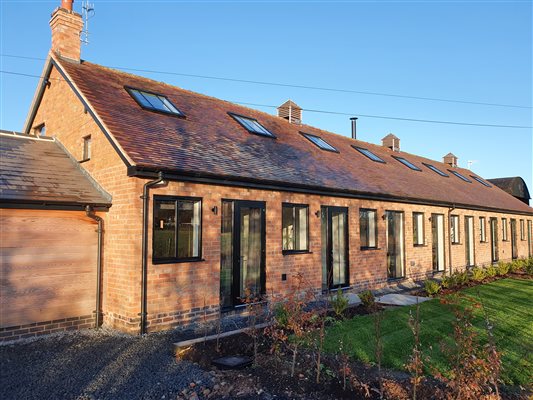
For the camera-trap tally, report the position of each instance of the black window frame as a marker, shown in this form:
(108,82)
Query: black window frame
(362,150)
(505,233)
(457,231)
(308,135)
(483,230)
(294,206)
(423,229)
(130,90)
(176,259)
(460,176)
(478,179)
(405,162)
(236,117)
(436,170)
(367,247)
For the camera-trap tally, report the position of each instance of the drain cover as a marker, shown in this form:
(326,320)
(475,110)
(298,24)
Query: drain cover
(232,362)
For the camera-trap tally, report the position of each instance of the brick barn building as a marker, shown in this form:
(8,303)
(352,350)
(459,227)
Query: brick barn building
(210,198)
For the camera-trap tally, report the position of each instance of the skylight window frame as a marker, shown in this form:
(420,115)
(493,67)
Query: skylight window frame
(460,176)
(131,90)
(436,170)
(362,150)
(478,179)
(266,134)
(308,136)
(407,163)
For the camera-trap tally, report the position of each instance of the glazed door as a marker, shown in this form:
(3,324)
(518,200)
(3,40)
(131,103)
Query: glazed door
(514,249)
(335,247)
(494,239)
(437,243)
(242,251)
(395,244)
(469,241)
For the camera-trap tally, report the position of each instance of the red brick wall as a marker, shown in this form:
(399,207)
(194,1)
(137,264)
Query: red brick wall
(178,292)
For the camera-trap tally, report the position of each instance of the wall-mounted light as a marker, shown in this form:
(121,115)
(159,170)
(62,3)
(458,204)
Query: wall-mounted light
(429,219)
(215,210)
(317,214)
(384,216)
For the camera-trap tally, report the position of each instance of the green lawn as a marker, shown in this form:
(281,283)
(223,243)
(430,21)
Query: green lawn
(510,306)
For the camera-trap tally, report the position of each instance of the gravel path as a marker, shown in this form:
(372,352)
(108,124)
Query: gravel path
(96,365)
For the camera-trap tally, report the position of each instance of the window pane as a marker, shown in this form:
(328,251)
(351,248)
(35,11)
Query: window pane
(226,255)
(371,228)
(368,154)
(156,102)
(301,238)
(418,228)
(188,228)
(454,229)
(407,163)
(164,245)
(321,143)
(367,228)
(141,99)
(288,227)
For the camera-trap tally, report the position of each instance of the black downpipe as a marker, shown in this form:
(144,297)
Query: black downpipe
(98,312)
(144,279)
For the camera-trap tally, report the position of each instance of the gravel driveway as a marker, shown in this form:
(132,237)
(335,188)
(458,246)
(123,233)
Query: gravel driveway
(96,365)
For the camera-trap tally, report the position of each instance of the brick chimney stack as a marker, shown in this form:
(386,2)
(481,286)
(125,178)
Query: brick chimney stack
(391,141)
(66,27)
(450,159)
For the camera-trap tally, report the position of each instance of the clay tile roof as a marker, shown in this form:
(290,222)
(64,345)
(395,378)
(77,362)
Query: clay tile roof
(39,171)
(208,142)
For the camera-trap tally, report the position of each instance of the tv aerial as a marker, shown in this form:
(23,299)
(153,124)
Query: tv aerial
(87,12)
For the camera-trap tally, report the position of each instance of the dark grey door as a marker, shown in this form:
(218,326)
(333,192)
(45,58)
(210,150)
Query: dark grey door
(395,244)
(335,269)
(242,266)
(494,239)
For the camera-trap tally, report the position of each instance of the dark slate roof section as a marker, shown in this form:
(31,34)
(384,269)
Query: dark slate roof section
(209,143)
(39,171)
(515,186)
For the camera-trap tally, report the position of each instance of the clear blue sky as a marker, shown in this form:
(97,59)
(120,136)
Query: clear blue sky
(468,50)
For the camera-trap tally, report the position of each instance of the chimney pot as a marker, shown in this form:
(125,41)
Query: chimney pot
(290,111)
(67,4)
(391,141)
(450,159)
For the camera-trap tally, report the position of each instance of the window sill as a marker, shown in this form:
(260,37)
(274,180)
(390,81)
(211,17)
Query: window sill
(456,243)
(394,280)
(178,260)
(420,245)
(84,160)
(370,248)
(291,252)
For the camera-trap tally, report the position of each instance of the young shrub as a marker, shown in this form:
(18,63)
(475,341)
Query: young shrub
(529,266)
(448,282)
(432,287)
(416,364)
(517,265)
(462,278)
(503,268)
(367,299)
(491,271)
(477,274)
(339,303)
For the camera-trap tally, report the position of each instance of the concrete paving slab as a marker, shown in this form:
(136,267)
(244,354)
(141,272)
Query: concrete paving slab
(396,299)
(353,299)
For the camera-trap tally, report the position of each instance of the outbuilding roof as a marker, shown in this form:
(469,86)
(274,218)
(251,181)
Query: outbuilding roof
(39,171)
(207,141)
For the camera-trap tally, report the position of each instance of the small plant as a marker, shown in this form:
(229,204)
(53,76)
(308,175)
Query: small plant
(255,311)
(367,299)
(448,282)
(432,287)
(503,268)
(517,265)
(339,303)
(529,266)
(477,274)
(491,271)
(462,278)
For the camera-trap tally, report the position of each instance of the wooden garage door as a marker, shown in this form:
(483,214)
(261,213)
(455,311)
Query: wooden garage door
(48,266)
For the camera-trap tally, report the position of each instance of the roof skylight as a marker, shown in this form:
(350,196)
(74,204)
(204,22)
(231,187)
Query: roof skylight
(407,163)
(252,126)
(368,154)
(435,169)
(477,178)
(154,102)
(319,142)
(457,174)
